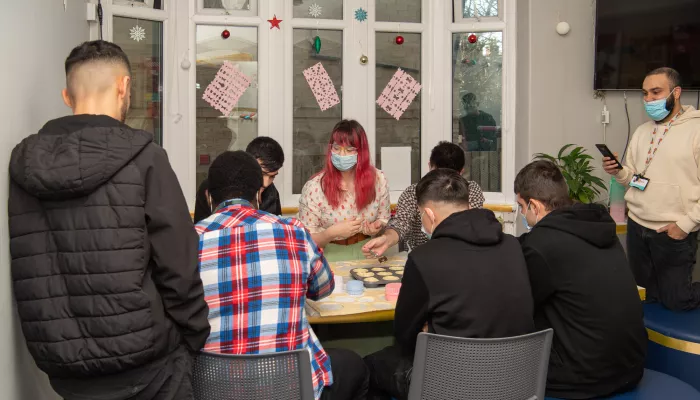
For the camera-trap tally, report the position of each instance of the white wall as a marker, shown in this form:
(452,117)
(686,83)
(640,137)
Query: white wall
(37,35)
(555,83)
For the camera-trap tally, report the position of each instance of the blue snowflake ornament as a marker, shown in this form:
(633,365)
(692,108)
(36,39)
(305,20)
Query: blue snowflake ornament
(360,14)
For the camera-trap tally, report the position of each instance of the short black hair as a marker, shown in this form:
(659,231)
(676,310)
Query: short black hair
(443,185)
(543,181)
(268,151)
(469,97)
(96,50)
(674,78)
(447,155)
(234,175)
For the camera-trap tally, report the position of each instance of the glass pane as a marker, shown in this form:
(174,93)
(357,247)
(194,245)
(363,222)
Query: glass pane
(476,112)
(330,9)
(228,5)
(398,10)
(312,127)
(479,8)
(145,56)
(154,4)
(406,131)
(217,133)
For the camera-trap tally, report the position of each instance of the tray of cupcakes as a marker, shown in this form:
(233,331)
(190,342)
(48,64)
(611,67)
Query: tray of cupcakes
(377,276)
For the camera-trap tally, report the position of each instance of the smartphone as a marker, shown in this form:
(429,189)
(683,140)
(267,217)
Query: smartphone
(605,151)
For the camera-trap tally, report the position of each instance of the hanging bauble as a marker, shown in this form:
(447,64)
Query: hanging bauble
(317,44)
(399,39)
(472,38)
(364,59)
(225,34)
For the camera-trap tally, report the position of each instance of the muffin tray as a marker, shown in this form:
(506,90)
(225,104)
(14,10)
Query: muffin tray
(373,277)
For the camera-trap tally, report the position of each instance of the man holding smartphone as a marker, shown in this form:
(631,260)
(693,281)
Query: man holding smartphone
(663,196)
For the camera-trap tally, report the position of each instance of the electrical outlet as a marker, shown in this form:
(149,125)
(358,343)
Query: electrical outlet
(605,116)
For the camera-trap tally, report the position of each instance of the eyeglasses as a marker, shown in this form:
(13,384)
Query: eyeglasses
(336,148)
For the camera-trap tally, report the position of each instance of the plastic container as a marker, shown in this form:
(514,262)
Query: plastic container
(355,288)
(391,291)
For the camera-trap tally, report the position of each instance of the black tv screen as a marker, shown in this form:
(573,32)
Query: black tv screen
(633,37)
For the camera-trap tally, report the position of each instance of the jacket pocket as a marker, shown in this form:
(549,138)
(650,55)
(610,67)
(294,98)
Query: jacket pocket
(660,202)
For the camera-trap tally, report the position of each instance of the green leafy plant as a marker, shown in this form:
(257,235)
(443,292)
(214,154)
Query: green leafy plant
(576,168)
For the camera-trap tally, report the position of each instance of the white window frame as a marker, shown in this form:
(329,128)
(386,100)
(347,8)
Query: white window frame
(253,12)
(275,76)
(122,8)
(506,23)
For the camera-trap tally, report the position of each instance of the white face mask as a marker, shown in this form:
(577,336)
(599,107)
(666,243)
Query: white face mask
(425,231)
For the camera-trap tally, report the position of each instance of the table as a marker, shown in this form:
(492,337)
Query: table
(341,308)
(342,268)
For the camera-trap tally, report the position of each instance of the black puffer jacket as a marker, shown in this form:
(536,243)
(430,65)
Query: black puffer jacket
(104,255)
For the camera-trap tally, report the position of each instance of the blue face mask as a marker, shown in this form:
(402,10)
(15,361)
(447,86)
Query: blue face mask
(525,224)
(657,109)
(523,218)
(343,163)
(429,235)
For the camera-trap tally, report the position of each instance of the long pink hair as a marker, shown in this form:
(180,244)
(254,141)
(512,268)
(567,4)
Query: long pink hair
(349,133)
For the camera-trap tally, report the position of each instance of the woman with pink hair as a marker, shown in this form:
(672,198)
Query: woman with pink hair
(348,201)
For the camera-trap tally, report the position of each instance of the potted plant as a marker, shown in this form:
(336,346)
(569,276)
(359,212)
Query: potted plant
(576,168)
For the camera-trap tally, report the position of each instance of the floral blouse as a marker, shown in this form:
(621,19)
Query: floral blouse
(317,215)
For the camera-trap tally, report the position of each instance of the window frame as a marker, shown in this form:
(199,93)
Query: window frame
(505,23)
(275,76)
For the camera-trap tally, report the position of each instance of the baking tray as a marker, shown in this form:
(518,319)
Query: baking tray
(376,276)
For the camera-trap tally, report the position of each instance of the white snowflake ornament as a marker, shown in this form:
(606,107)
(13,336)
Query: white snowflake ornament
(315,10)
(137,33)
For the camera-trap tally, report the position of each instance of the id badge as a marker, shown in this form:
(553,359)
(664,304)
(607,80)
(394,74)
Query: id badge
(639,182)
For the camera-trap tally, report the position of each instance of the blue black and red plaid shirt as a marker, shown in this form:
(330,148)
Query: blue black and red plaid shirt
(257,270)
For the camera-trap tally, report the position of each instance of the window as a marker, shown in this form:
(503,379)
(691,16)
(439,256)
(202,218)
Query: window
(330,9)
(479,8)
(312,127)
(477,103)
(145,54)
(466,91)
(152,4)
(398,11)
(407,130)
(216,132)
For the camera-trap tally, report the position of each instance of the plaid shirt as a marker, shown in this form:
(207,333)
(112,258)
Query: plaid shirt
(406,220)
(257,270)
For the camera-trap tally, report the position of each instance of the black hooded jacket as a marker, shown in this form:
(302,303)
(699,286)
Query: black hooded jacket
(468,280)
(104,254)
(584,289)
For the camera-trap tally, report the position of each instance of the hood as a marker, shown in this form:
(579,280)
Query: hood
(689,114)
(477,226)
(72,156)
(590,222)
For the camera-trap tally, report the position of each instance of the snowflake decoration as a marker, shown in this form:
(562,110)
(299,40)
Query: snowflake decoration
(137,33)
(360,14)
(315,10)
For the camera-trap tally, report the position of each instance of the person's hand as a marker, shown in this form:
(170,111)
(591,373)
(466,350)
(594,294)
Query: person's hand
(346,228)
(610,165)
(425,328)
(372,228)
(673,231)
(375,247)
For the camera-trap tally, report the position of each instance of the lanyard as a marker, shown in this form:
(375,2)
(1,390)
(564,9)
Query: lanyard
(653,148)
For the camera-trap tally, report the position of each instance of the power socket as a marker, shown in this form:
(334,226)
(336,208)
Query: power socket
(605,116)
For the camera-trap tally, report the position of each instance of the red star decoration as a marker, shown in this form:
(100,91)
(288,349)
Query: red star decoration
(274,22)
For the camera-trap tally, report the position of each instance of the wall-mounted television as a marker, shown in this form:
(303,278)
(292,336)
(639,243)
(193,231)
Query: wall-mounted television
(633,37)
